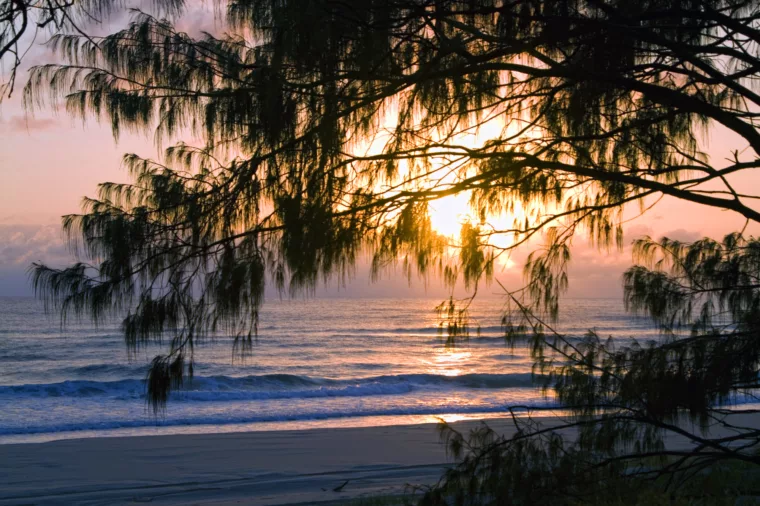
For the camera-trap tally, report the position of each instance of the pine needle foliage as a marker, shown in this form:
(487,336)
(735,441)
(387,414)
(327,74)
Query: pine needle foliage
(21,21)
(328,129)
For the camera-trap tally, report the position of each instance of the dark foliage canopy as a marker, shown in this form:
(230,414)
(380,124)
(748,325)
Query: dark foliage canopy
(327,128)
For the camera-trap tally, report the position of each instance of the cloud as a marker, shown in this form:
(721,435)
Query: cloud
(20,245)
(683,235)
(23,244)
(24,124)
(638,231)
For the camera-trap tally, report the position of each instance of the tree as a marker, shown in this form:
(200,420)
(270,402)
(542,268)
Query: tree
(22,20)
(626,400)
(322,144)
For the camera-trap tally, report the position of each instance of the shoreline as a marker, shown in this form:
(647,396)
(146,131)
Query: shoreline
(263,467)
(366,422)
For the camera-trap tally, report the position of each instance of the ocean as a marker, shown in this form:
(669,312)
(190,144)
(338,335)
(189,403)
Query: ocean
(316,363)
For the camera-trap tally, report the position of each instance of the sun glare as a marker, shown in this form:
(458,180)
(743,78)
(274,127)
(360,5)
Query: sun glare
(449,213)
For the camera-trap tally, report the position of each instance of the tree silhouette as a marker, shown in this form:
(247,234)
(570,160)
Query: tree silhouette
(329,127)
(21,21)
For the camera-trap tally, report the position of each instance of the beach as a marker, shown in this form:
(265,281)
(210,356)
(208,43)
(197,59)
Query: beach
(335,391)
(263,468)
(267,468)
(328,408)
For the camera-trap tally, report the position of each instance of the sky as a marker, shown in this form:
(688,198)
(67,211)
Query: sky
(49,161)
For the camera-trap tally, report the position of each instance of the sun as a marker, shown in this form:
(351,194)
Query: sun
(449,213)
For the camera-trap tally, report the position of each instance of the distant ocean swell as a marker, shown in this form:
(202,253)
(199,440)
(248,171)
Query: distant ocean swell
(270,386)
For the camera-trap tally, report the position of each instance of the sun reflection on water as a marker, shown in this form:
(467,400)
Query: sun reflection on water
(449,362)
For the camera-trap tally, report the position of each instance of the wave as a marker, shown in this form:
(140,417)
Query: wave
(227,419)
(186,418)
(271,386)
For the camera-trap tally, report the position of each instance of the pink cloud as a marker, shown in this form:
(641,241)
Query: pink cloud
(24,123)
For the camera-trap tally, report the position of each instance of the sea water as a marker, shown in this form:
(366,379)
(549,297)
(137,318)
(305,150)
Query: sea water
(321,362)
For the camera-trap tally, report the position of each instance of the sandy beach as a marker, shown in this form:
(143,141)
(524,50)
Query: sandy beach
(258,468)
(266,468)
(262,468)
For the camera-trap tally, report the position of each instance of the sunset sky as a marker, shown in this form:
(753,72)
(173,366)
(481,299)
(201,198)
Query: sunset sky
(48,161)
